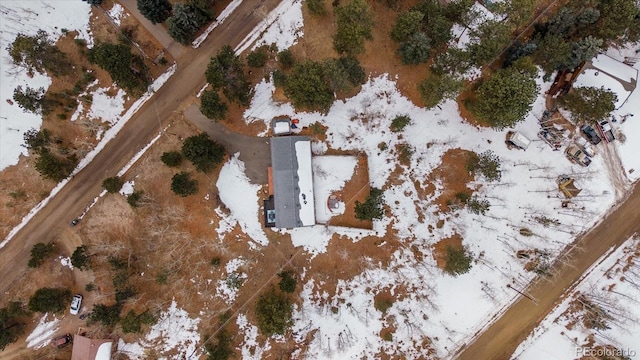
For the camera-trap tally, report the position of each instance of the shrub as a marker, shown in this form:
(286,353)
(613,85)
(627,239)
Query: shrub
(285,58)
(183,185)
(53,300)
(436,88)
(221,348)
(132,322)
(134,198)
(258,57)
(317,7)
(457,261)
(89,287)
(287,281)
(11,324)
(478,206)
(274,312)
(80,258)
(171,158)
(383,304)
(107,315)
(203,152)
(372,206)
(354,23)
(39,253)
(215,261)
(212,106)
(416,49)
(112,184)
(400,122)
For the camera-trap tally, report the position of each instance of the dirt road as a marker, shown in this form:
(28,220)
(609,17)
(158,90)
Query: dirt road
(55,217)
(500,339)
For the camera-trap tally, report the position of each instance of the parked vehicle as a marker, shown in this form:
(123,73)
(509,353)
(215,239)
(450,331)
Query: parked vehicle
(517,140)
(75,222)
(62,341)
(578,155)
(589,149)
(591,134)
(606,131)
(76,303)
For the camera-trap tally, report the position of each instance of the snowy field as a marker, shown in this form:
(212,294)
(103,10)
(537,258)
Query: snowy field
(27,17)
(612,284)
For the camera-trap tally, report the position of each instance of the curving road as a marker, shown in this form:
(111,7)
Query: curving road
(54,218)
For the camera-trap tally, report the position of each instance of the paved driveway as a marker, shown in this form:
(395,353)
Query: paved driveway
(254,151)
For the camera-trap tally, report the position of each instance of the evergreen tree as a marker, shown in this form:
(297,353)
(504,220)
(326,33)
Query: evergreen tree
(589,104)
(37,140)
(37,53)
(406,25)
(274,312)
(29,99)
(372,208)
(53,167)
(80,258)
(307,89)
(39,253)
(112,184)
(506,97)
(171,158)
(203,152)
(183,185)
(416,49)
(436,88)
(187,19)
(11,325)
(212,106)
(258,57)
(156,11)
(285,58)
(317,7)
(226,71)
(54,300)
(457,260)
(117,60)
(354,23)
(491,38)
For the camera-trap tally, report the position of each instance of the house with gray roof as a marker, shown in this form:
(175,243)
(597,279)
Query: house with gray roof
(292,178)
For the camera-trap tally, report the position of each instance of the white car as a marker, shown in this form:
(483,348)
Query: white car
(76,303)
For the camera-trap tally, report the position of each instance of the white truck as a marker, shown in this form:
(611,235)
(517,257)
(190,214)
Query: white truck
(605,129)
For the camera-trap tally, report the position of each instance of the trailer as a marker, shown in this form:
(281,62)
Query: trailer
(606,131)
(517,140)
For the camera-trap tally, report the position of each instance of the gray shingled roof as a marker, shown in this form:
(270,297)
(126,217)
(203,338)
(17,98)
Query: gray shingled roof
(286,193)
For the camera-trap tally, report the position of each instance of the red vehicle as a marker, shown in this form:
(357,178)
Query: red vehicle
(62,341)
(606,131)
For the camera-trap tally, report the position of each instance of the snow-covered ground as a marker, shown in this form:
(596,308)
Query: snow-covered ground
(175,336)
(611,284)
(27,17)
(43,333)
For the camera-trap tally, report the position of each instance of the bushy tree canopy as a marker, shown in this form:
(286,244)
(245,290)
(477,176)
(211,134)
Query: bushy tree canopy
(406,25)
(372,206)
(212,106)
(416,49)
(187,19)
(37,53)
(436,88)
(53,300)
(182,184)
(589,104)
(506,97)
(274,312)
(29,99)
(81,258)
(226,71)
(39,253)
(490,39)
(354,22)
(307,88)
(11,325)
(53,167)
(171,158)
(457,261)
(118,60)
(203,152)
(156,11)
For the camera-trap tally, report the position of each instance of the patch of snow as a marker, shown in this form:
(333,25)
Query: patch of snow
(110,134)
(286,9)
(43,333)
(175,335)
(286,29)
(263,108)
(228,287)
(107,108)
(330,173)
(225,224)
(249,347)
(27,17)
(127,188)
(117,13)
(219,19)
(241,197)
(65,261)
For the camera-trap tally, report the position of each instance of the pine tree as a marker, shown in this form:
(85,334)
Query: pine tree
(157,11)
(416,49)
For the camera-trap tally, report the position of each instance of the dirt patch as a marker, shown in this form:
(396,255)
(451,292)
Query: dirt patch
(440,248)
(454,177)
(356,189)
